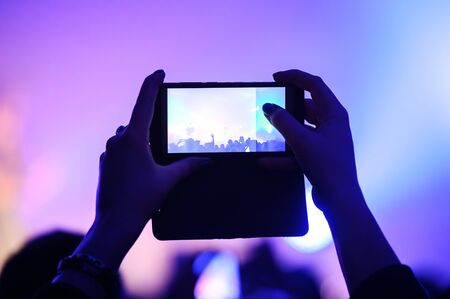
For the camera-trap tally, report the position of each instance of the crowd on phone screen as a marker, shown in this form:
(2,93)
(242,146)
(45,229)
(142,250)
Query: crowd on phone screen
(191,145)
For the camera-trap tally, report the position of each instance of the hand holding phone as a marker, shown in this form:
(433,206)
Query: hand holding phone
(236,196)
(325,152)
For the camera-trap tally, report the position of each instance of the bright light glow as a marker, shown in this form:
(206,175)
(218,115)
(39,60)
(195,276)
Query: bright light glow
(269,128)
(220,279)
(318,236)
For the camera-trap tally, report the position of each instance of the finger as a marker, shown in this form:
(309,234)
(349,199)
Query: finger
(120,130)
(102,156)
(295,134)
(179,170)
(110,143)
(320,92)
(143,109)
(311,112)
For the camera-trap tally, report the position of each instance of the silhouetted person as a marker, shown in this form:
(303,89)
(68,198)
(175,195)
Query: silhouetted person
(183,281)
(261,277)
(35,264)
(132,188)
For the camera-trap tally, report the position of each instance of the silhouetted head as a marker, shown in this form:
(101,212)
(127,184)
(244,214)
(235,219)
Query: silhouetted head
(34,266)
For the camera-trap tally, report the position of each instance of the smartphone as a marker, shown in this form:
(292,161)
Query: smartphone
(234,197)
(220,120)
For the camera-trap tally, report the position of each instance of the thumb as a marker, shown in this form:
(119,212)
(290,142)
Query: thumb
(181,169)
(295,133)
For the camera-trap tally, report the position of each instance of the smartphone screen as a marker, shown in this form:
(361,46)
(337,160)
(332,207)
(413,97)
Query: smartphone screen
(222,120)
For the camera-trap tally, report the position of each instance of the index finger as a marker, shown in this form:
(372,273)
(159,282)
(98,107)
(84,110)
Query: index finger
(320,92)
(142,114)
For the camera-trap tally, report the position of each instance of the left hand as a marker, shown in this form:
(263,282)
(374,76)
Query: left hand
(131,185)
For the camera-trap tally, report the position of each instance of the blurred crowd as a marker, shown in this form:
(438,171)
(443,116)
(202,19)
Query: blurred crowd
(259,277)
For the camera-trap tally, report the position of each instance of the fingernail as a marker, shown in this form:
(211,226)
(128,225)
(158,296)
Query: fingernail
(119,130)
(160,71)
(269,109)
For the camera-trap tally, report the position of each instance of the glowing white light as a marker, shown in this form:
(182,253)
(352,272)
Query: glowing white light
(318,236)
(220,279)
(269,128)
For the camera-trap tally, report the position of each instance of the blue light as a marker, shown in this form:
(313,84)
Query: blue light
(202,261)
(220,279)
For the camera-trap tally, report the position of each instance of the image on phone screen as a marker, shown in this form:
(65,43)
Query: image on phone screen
(207,120)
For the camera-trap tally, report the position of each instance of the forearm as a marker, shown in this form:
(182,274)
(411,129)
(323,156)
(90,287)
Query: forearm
(325,153)
(361,247)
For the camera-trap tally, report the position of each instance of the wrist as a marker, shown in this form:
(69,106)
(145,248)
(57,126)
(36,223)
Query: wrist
(109,240)
(342,202)
(85,283)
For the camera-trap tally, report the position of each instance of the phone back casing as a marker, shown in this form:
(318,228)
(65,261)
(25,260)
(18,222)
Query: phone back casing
(234,199)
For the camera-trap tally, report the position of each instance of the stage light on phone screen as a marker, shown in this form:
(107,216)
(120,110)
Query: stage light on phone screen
(203,120)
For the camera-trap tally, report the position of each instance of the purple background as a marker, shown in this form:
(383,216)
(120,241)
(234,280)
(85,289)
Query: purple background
(70,72)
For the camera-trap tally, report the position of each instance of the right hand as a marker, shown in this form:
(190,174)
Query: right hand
(325,153)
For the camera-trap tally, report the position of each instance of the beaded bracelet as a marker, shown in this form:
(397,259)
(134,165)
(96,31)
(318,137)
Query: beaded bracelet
(91,266)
